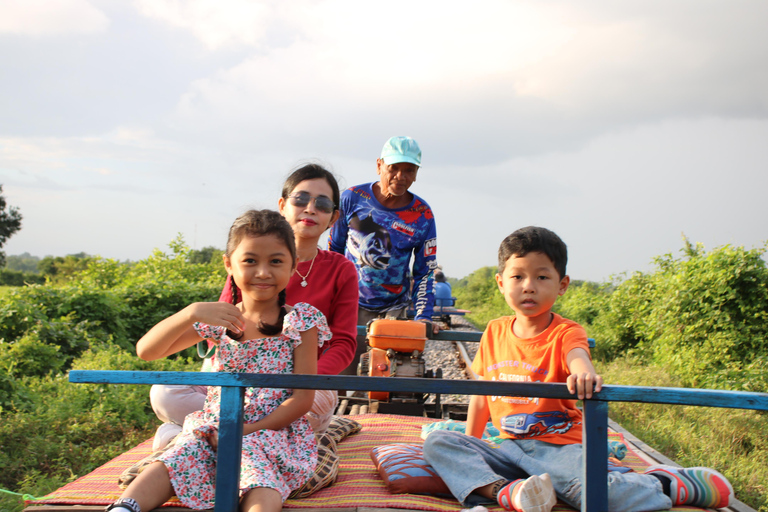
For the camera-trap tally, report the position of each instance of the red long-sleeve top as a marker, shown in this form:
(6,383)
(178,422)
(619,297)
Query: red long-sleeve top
(331,288)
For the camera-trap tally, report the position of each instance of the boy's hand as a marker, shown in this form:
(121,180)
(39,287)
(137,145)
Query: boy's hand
(582,384)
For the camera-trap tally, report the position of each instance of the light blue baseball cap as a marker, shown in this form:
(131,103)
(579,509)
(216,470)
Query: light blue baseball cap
(401,149)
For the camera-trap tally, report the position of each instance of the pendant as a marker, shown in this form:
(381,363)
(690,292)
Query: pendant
(303,283)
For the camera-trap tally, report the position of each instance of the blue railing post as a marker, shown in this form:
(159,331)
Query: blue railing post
(230,449)
(594,495)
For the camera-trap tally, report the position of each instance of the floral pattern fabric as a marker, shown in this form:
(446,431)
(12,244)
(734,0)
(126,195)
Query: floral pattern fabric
(279,459)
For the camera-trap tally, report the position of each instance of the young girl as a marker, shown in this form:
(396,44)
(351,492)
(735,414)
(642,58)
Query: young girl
(325,279)
(258,335)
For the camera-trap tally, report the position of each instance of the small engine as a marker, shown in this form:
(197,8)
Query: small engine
(395,349)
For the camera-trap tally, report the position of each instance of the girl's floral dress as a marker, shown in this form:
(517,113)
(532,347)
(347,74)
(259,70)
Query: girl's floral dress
(279,459)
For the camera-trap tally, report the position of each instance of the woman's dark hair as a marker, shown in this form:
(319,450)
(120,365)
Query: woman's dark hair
(261,223)
(312,172)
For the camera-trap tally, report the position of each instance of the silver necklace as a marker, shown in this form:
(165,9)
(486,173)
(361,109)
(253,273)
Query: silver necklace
(304,278)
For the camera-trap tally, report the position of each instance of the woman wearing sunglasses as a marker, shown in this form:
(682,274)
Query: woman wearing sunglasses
(324,279)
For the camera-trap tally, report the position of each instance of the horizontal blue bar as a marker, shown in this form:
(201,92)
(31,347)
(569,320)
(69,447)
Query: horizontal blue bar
(612,393)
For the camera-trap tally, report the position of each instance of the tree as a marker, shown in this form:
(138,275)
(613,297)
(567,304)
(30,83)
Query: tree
(10,223)
(205,255)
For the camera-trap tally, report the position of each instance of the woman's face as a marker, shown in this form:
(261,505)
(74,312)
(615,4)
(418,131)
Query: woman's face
(307,221)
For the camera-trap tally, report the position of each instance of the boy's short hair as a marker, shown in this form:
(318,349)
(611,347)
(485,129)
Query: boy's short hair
(534,239)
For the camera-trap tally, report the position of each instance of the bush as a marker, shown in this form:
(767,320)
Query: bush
(10,277)
(480,294)
(30,356)
(69,429)
(704,316)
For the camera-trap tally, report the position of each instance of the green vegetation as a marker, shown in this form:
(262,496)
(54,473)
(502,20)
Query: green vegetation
(51,431)
(697,320)
(700,320)
(10,223)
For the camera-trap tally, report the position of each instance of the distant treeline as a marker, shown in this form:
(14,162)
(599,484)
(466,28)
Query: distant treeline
(26,269)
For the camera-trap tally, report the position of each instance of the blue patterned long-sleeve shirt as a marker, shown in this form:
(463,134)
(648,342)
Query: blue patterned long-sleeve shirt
(381,242)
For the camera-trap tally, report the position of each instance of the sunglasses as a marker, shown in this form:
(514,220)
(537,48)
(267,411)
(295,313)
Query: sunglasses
(322,203)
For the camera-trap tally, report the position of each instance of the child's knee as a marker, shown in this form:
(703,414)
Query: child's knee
(439,440)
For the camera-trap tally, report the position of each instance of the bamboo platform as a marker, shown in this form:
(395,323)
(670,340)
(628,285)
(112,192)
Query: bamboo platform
(356,467)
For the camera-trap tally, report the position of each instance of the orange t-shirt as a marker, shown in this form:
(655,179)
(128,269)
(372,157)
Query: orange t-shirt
(502,356)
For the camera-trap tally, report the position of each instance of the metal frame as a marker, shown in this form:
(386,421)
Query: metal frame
(595,435)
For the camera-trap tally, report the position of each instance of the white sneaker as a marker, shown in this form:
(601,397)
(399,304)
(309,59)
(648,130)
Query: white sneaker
(164,435)
(535,494)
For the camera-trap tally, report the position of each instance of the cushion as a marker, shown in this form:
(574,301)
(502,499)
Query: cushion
(326,471)
(341,427)
(404,470)
(130,474)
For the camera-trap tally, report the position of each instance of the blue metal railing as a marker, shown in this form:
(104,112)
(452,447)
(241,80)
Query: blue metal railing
(595,436)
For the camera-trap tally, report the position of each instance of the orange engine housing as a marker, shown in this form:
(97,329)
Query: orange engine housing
(399,335)
(395,348)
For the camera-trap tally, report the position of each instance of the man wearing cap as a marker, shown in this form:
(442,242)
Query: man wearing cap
(381,226)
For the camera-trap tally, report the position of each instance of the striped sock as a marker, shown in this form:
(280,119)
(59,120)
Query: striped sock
(699,487)
(534,494)
(504,496)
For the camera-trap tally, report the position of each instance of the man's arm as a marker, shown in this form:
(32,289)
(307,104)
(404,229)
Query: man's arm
(337,242)
(424,263)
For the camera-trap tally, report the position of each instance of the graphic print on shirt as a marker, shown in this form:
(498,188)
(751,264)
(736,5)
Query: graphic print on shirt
(369,243)
(536,424)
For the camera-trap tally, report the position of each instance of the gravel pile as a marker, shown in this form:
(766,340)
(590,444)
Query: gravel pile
(443,354)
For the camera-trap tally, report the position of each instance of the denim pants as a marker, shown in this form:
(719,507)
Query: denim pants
(466,463)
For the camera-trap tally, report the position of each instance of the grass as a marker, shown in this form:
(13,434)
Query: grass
(732,441)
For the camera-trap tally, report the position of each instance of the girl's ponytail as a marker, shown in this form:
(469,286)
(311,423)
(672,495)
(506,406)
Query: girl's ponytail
(235,292)
(277,327)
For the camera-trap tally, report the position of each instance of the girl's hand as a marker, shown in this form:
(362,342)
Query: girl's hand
(213,439)
(218,314)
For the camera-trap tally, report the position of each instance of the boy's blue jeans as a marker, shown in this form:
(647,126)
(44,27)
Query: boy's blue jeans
(466,463)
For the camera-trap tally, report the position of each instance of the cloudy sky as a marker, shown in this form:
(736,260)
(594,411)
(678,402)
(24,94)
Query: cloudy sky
(621,125)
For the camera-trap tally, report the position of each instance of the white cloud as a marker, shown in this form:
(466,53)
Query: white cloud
(528,72)
(51,17)
(217,23)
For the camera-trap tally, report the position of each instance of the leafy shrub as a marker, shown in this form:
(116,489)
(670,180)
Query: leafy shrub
(66,429)
(10,277)
(149,302)
(31,356)
(479,293)
(705,316)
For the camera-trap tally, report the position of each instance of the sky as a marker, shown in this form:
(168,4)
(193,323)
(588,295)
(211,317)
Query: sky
(623,126)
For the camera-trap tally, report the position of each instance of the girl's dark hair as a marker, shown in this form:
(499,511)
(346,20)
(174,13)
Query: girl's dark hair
(261,223)
(312,172)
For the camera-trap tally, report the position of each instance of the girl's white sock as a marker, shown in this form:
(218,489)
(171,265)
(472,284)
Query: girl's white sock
(121,509)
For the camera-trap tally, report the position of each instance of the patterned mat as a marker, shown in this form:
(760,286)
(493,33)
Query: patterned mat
(358,483)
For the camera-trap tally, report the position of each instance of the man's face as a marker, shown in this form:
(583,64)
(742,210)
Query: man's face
(396,179)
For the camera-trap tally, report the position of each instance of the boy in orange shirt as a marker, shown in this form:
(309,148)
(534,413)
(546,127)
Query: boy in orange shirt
(540,456)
